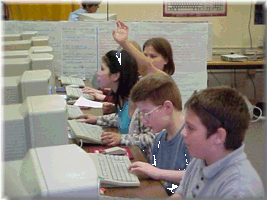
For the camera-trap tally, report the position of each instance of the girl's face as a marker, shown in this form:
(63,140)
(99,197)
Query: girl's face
(103,76)
(157,60)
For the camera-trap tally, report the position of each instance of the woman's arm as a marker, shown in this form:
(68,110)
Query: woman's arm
(121,37)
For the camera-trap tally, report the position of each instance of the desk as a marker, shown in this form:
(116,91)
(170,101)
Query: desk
(148,188)
(218,64)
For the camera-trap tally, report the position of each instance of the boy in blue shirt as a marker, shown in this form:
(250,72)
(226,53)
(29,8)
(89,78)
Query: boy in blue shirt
(88,7)
(216,120)
(159,101)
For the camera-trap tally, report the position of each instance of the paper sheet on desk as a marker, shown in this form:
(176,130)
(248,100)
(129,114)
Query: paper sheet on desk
(88,103)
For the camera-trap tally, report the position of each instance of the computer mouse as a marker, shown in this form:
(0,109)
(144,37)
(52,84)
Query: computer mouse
(115,151)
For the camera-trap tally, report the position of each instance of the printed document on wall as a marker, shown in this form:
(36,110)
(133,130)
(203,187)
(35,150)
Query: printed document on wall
(79,49)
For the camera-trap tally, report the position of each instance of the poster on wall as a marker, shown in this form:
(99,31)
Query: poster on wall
(172,8)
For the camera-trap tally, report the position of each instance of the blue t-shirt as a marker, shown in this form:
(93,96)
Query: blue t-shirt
(172,154)
(74,15)
(124,119)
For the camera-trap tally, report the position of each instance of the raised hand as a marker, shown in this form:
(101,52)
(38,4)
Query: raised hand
(121,34)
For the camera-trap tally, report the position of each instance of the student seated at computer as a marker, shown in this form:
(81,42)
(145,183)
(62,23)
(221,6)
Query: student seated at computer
(118,71)
(88,7)
(158,53)
(216,120)
(105,95)
(159,101)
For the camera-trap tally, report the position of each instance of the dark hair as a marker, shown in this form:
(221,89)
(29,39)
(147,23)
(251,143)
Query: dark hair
(221,107)
(90,3)
(163,47)
(128,73)
(157,88)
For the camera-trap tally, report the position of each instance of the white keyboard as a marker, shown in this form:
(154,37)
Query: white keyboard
(76,93)
(103,197)
(74,111)
(71,81)
(113,172)
(89,133)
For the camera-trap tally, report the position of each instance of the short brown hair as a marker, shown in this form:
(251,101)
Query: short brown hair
(157,88)
(163,47)
(90,3)
(221,107)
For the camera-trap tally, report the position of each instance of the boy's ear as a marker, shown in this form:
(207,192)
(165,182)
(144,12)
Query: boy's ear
(168,107)
(116,76)
(220,136)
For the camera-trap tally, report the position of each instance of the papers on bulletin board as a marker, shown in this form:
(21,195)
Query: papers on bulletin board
(83,102)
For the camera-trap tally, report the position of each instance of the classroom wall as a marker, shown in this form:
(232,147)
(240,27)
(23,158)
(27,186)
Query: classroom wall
(229,31)
(231,34)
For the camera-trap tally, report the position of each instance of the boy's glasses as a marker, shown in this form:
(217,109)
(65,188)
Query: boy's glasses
(146,115)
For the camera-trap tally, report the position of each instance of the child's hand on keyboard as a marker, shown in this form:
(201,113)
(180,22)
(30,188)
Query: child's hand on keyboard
(108,108)
(97,96)
(145,169)
(87,89)
(90,119)
(110,138)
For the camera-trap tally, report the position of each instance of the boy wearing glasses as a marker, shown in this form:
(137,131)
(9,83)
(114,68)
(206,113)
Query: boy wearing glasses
(216,120)
(159,101)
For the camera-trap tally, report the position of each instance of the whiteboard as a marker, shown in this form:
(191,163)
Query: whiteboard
(79,46)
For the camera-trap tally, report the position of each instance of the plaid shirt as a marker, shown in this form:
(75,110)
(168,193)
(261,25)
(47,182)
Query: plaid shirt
(138,135)
(110,120)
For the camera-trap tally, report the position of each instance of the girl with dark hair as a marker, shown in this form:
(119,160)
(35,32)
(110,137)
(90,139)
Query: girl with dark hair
(157,52)
(118,72)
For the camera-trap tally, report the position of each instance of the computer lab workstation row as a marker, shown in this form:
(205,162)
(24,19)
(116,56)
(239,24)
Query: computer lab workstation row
(42,160)
(149,188)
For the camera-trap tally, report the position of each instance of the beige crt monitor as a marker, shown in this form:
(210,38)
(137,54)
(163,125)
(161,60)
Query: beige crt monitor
(11,93)
(27,35)
(41,61)
(64,171)
(11,37)
(97,16)
(39,121)
(15,66)
(30,83)
(40,41)
(34,83)
(16,54)
(17,45)
(40,49)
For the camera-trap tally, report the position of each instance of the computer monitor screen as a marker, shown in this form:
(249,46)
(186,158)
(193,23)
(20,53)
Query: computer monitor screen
(97,16)
(64,171)
(38,122)
(15,66)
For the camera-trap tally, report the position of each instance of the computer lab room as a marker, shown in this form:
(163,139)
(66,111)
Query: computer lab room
(134,99)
